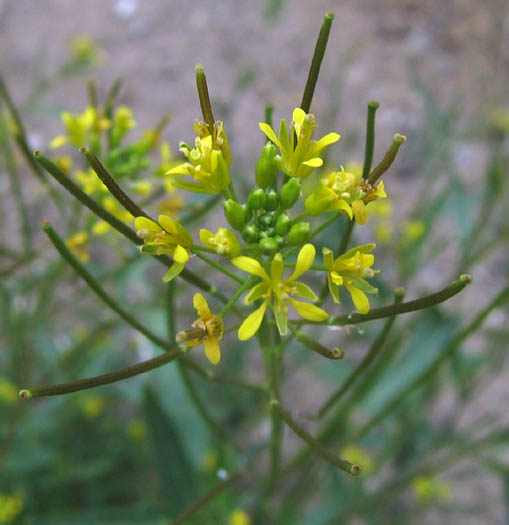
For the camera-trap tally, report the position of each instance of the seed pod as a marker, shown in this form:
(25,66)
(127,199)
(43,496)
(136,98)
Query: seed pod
(271,200)
(267,166)
(283,224)
(256,199)
(289,193)
(234,214)
(299,233)
(250,233)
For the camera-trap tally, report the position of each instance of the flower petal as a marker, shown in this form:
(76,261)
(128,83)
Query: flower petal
(201,306)
(304,291)
(269,133)
(168,224)
(256,292)
(304,261)
(328,257)
(142,223)
(309,311)
(180,255)
(298,116)
(212,350)
(277,266)
(173,271)
(252,266)
(341,204)
(326,141)
(359,298)
(315,162)
(205,236)
(252,323)
(281,317)
(359,210)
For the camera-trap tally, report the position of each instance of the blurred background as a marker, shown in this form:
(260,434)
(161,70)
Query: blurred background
(440,71)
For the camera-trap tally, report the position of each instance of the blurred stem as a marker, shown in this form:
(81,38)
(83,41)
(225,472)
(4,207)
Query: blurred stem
(269,109)
(315,346)
(217,266)
(316,62)
(343,464)
(402,308)
(373,353)
(111,97)
(203,95)
(196,211)
(434,366)
(105,379)
(118,225)
(373,105)
(388,159)
(235,297)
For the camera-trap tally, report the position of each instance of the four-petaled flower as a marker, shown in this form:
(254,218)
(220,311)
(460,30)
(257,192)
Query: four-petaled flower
(224,241)
(301,158)
(282,290)
(207,329)
(166,237)
(207,162)
(350,270)
(346,192)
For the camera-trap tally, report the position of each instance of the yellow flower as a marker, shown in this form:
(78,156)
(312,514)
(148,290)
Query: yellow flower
(224,242)
(207,329)
(166,237)
(122,121)
(11,506)
(281,289)
(80,127)
(171,206)
(207,161)
(349,270)
(239,517)
(8,392)
(346,192)
(85,50)
(90,182)
(64,163)
(92,406)
(77,243)
(301,158)
(428,489)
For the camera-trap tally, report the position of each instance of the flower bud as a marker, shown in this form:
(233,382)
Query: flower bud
(234,214)
(283,224)
(279,240)
(265,221)
(267,166)
(268,246)
(299,233)
(271,200)
(248,213)
(289,193)
(256,199)
(319,201)
(250,233)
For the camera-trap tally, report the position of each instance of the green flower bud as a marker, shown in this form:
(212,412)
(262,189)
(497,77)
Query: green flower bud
(271,200)
(267,166)
(268,246)
(256,199)
(299,233)
(271,231)
(289,193)
(280,241)
(283,224)
(234,214)
(248,213)
(250,233)
(265,221)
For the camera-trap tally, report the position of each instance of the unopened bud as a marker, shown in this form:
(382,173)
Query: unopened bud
(289,193)
(299,233)
(256,199)
(267,166)
(235,214)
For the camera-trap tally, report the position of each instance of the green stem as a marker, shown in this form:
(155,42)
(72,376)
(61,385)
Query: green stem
(373,353)
(111,97)
(388,159)
(373,105)
(315,346)
(203,94)
(321,45)
(345,238)
(124,200)
(247,284)
(218,267)
(204,500)
(105,379)
(269,109)
(343,464)
(402,308)
(434,366)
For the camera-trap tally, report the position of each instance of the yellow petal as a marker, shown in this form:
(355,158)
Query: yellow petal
(380,190)
(298,116)
(142,223)
(327,140)
(252,266)
(174,270)
(341,204)
(270,133)
(257,292)
(212,350)
(359,210)
(205,236)
(168,224)
(277,266)
(180,255)
(58,141)
(309,311)
(252,323)
(304,261)
(315,162)
(201,306)
(359,298)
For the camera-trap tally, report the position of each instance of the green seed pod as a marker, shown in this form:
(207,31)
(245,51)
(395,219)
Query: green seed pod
(265,221)
(299,233)
(250,233)
(267,166)
(271,200)
(234,214)
(289,193)
(283,224)
(268,246)
(256,199)
(248,213)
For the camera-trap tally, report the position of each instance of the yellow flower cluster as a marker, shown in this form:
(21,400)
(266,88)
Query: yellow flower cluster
(11,506)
